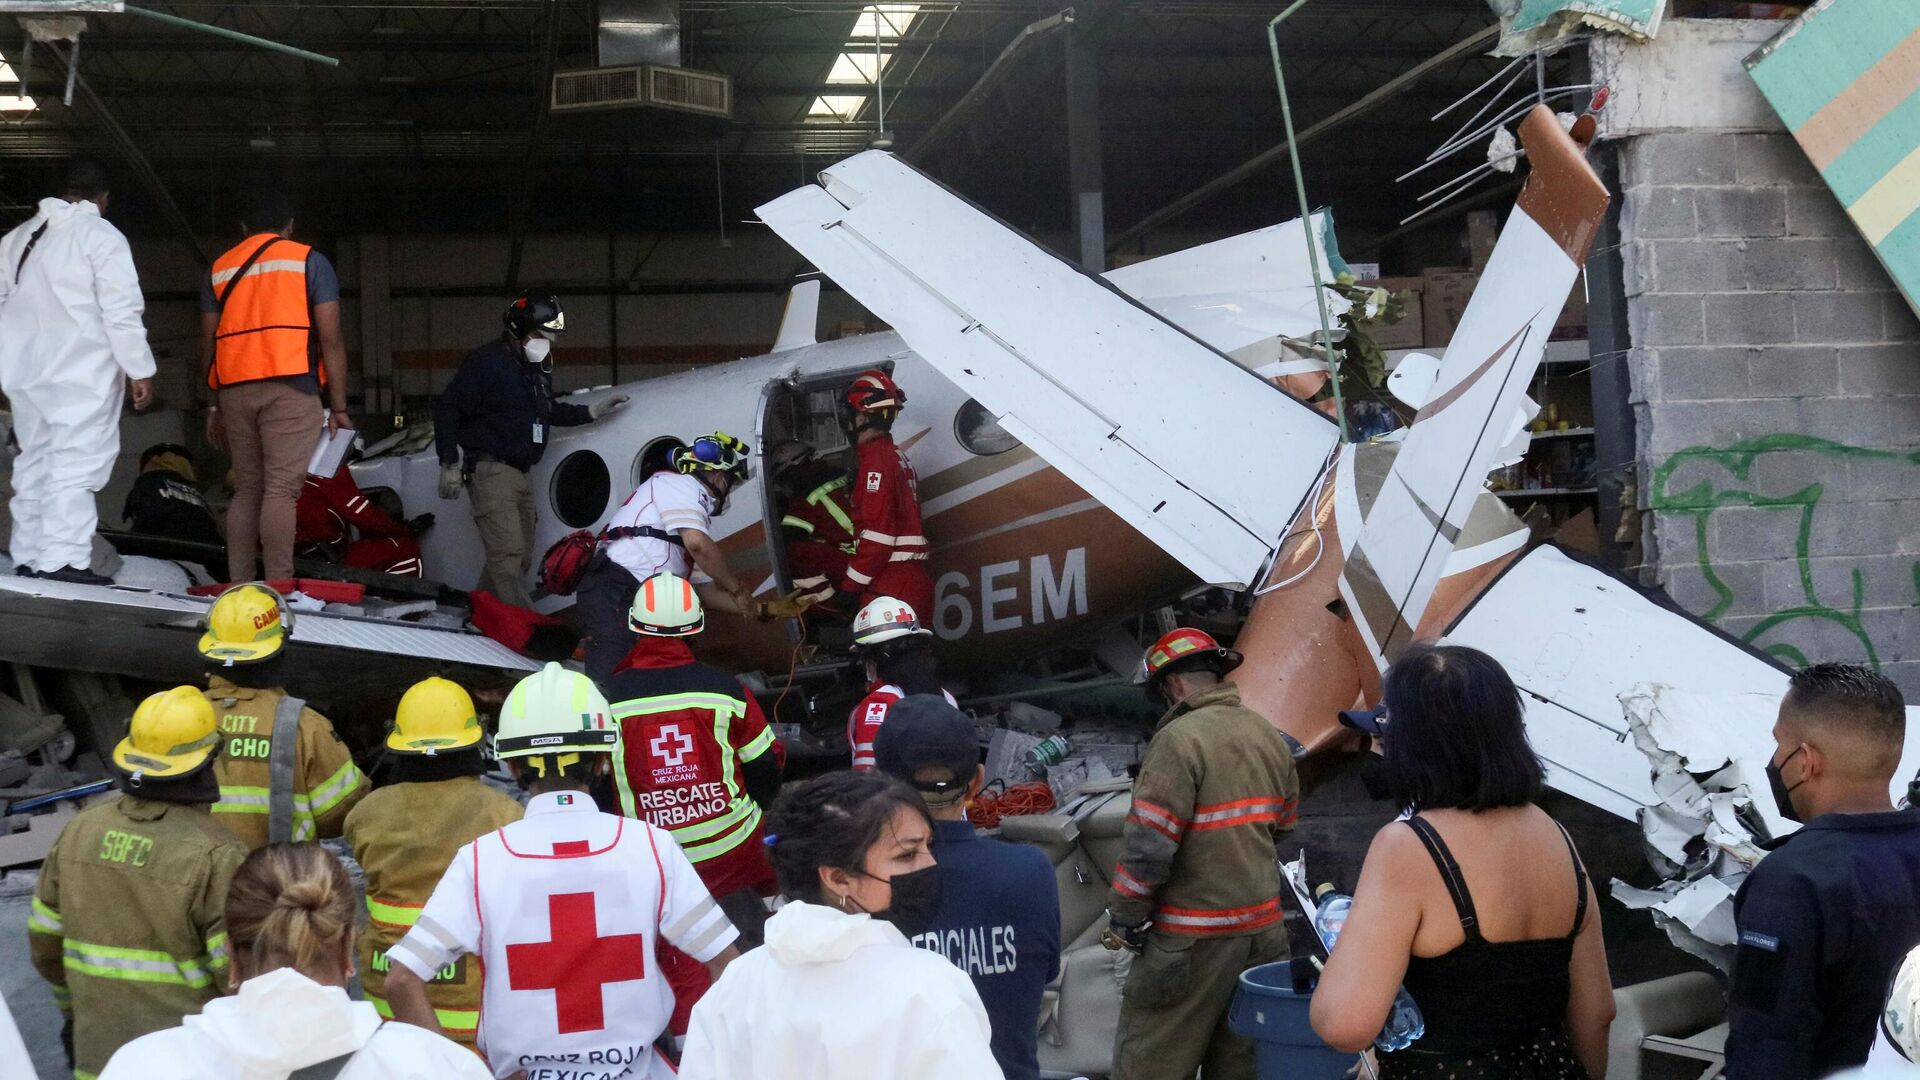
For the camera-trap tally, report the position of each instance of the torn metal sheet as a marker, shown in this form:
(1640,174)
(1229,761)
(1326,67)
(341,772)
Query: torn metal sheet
(1845,79)
(1246,295)
(152,635)
(1464,426)
(1527,25)
(1099,386)
(1708,754)
(1575,639)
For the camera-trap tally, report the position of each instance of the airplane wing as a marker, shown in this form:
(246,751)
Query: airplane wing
(1244,294)
(1460,431)
(1205,458)
(151,635)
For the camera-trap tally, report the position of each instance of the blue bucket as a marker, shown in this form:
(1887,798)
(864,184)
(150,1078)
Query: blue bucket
(1267,1011)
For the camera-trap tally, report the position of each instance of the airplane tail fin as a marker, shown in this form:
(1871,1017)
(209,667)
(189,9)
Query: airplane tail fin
(800,324)
(1460,432)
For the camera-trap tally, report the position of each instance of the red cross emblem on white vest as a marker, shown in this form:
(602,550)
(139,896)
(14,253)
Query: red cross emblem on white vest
(576,962)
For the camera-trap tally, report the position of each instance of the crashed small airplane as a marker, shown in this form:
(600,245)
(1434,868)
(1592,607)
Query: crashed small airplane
(1068,430)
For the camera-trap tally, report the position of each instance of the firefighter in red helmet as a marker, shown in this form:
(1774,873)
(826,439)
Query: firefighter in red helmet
(1196,892)
(890,547)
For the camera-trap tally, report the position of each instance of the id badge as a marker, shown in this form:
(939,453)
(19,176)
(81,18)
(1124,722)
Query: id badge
(539,433)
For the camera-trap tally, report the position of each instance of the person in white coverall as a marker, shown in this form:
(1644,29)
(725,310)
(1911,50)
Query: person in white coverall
(838,992)
(71,338)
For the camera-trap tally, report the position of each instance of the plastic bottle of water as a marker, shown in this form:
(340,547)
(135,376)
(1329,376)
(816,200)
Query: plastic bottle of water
(1404,1022)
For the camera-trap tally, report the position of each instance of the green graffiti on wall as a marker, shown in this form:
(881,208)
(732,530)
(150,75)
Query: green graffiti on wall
(1702,498)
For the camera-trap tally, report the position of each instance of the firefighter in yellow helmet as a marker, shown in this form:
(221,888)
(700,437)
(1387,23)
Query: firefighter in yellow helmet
(284,773)
(128,920)
(406,832)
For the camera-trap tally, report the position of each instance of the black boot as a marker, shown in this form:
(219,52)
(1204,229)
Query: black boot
(77,575)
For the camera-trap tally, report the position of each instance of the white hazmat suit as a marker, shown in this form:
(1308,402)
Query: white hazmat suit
(70,337)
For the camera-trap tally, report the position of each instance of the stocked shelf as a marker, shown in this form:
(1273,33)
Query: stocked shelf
(1529,493)
(1569,433)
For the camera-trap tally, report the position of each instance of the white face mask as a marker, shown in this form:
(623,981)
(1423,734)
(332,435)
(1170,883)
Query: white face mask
(537,349)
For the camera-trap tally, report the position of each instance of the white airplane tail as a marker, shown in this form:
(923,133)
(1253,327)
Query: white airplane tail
(1460,432)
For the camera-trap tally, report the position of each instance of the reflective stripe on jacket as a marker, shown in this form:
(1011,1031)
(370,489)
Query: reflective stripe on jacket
(265,322)
(404,835)
(685,733)
(1215,788)
(326,782)
(886,514)
(127,922)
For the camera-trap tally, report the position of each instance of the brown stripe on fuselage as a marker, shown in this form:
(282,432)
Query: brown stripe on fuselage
(1452,594)
(958,476)
(1563,195)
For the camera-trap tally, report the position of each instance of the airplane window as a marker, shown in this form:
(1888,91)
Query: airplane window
(580,488)
(979,432)
(654,457)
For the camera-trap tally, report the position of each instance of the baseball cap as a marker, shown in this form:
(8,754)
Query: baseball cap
(1371,721)
(929,744)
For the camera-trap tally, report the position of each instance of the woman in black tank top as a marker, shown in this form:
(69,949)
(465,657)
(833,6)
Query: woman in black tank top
(1534,1008)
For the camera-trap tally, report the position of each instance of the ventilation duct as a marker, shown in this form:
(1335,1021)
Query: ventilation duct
(638,32)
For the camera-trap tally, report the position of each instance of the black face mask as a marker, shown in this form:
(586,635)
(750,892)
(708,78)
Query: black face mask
(1781,792)
(916,900)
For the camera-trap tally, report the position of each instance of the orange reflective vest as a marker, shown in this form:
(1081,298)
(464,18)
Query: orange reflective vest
(265,321)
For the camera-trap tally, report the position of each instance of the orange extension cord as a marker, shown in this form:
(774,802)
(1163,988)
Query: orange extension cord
(991,804)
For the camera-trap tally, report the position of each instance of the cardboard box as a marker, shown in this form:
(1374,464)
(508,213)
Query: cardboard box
(1408,333)
(1443,300)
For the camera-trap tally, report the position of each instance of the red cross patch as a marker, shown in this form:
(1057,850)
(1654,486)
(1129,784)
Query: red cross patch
(576,962)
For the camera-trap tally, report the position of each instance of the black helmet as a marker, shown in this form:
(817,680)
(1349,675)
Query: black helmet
(534,310)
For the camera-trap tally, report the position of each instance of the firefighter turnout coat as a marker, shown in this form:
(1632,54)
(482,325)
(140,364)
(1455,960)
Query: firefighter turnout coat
(890,552)
(129,920)
(687,735)
(1215,787)
(273,745)
(404,836)
(566,909)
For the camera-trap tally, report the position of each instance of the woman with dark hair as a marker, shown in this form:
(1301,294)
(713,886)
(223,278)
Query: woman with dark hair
(1476,899)
(839,992)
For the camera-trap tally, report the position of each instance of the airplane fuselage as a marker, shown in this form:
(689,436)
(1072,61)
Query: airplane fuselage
(1020,555)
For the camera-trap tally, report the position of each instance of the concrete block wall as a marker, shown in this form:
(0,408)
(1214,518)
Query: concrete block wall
(1776,386)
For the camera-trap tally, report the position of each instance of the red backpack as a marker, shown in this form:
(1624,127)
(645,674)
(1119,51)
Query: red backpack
(566,562)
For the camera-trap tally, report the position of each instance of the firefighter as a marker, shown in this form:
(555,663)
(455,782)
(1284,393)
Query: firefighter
(896,652)
(335,521)
(284,773)
(890,554)
(564,907)
(697,759)
(127,921)
(1196,893)
(166,500)
(816,520)
(406,832)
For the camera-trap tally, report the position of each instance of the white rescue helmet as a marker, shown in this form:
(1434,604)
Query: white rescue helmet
(555,711)
(665,605)
(883,620)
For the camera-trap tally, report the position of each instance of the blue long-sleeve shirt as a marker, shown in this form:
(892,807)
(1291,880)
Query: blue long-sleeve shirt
(1824,921)
(1000,923)
(501,406)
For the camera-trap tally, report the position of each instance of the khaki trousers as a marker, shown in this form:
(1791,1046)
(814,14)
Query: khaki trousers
(503,512)
(271,431)
(1173,1013)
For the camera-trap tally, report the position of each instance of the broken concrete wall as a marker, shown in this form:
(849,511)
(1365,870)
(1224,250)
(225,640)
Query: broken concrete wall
(1775,369)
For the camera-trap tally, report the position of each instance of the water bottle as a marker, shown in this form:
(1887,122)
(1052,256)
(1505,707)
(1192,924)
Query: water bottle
(1049,751)
(1404,1022)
